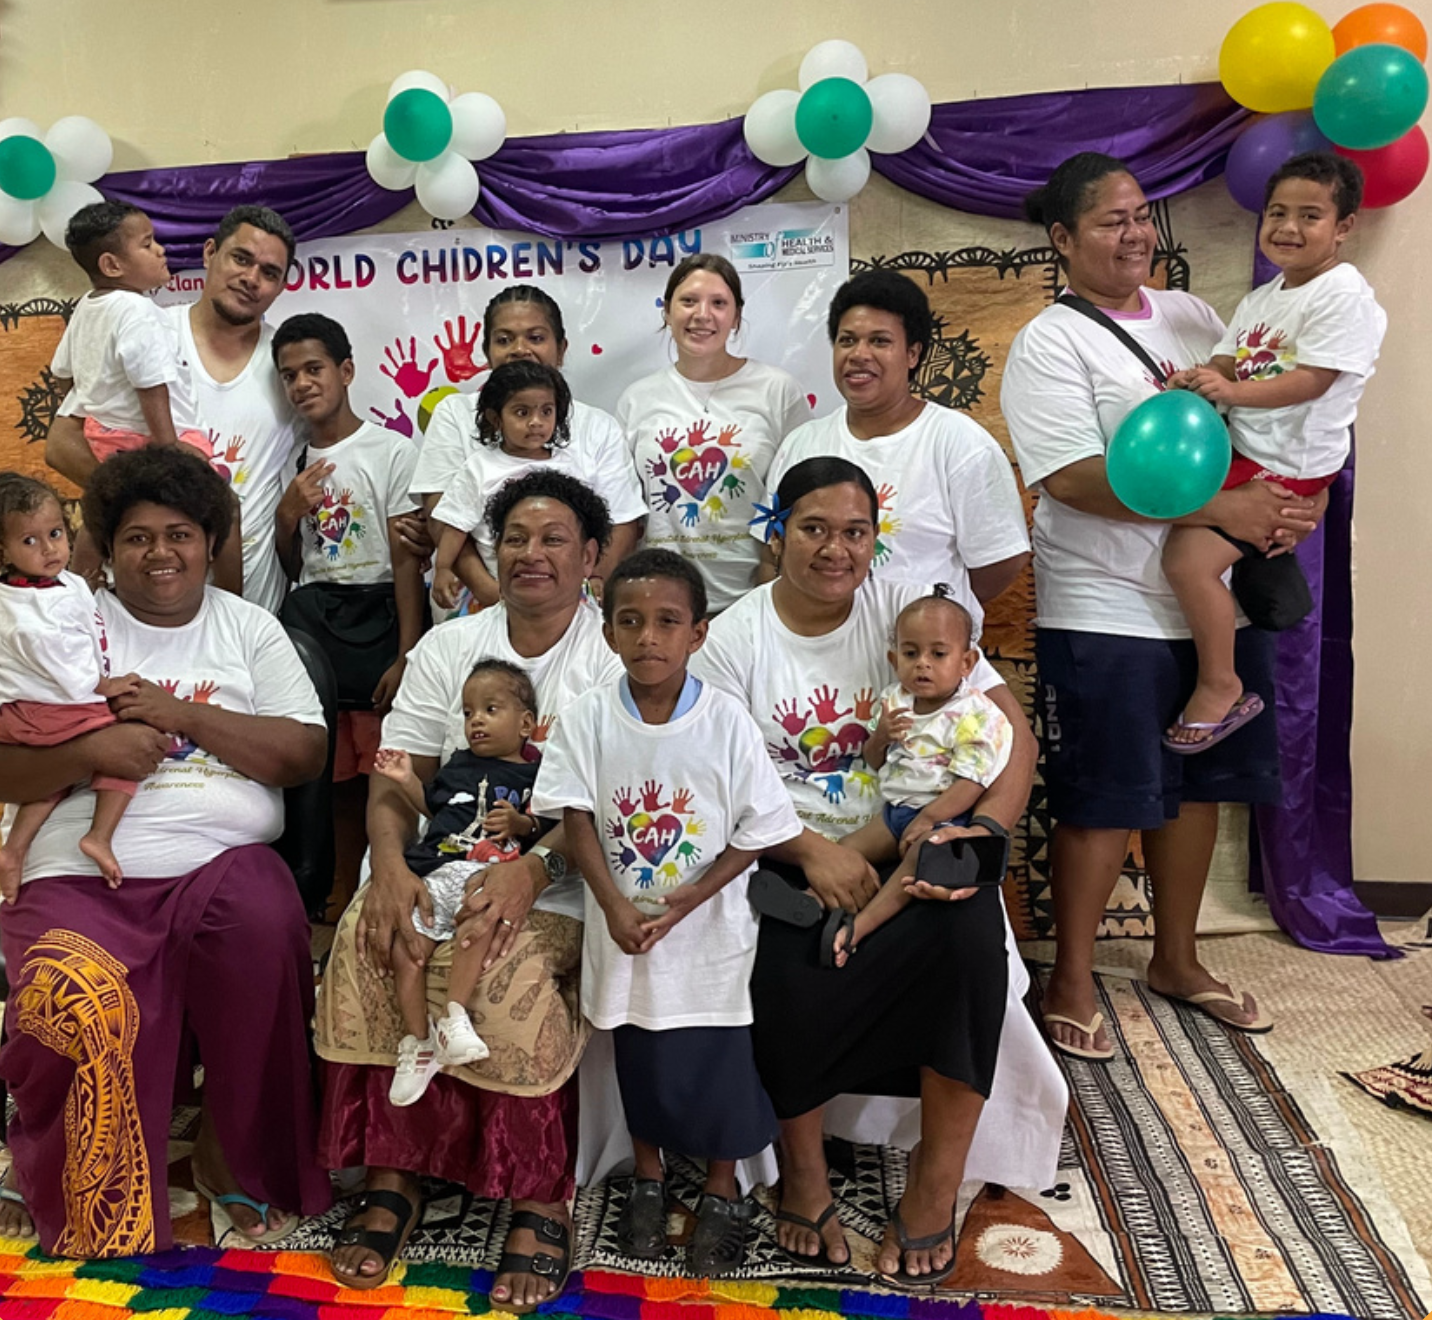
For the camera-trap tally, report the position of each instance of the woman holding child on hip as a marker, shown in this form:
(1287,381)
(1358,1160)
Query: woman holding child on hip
(1115,661)
(806,655)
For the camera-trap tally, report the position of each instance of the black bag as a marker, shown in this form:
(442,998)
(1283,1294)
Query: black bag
(1274,593)
(357,629)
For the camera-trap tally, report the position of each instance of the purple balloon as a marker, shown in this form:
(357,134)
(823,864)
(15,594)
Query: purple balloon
(1264,146)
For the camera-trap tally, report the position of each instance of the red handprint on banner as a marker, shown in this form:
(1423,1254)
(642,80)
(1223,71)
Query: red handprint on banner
(403,370)
(457,352)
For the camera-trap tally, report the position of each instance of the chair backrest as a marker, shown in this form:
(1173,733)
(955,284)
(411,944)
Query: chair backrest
(306,843)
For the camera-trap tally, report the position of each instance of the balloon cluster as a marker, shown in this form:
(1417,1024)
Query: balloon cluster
(430,139)
(837,119)
(45,180)
(1358,89)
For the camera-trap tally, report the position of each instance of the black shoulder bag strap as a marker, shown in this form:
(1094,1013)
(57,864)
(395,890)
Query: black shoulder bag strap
(1085,308)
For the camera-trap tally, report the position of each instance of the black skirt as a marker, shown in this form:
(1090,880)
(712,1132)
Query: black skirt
(926,990)
(694,1090)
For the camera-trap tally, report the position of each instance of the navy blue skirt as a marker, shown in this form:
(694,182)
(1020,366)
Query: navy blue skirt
(694,1090)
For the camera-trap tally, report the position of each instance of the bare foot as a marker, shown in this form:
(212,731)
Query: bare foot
(1183,983)
(363,1267)
(1073,998)
(1209,704)
(15,1221)
(924,1212)
(807,1195)
(11,867)
(102,855)
(522,1292)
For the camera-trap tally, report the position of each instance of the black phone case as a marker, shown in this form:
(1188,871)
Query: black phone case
(968,863)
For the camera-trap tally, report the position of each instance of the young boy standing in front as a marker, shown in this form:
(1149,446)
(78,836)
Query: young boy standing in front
(337,525)
(668,798)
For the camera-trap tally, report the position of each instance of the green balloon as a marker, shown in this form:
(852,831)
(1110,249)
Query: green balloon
(418,124)
(1169,456)
(1370,97)
(833,118)
(27,170)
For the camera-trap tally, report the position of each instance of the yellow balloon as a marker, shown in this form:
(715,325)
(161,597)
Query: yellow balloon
(1273,56)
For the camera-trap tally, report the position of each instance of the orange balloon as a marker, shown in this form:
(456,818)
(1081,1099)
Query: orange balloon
(1391,25)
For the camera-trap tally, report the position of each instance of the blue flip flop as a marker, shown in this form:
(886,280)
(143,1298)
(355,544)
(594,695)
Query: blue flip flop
(261,1208)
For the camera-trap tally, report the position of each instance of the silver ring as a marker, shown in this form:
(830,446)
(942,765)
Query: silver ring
(505,922)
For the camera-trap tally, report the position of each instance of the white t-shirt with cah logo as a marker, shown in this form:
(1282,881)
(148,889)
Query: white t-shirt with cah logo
(426,719)
(346,539)
(948,498)
(702,452)
(1332,321)
(663,816)
(252,426)
(234,655)
(1068,383)
(813,697)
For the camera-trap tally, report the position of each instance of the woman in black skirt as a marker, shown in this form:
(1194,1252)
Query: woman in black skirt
(924,1007)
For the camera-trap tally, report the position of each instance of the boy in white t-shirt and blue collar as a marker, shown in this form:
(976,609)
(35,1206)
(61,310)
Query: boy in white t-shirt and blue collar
(1290,369)
(668,798)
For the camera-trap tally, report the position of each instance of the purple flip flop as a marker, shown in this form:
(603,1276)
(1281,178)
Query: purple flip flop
(1249,705)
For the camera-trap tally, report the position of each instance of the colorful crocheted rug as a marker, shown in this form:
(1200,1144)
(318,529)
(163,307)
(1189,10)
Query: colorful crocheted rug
(205,1283)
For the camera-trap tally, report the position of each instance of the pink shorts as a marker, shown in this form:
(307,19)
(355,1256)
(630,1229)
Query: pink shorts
(1243,470)
(41,724)
(107,441)
(356,745)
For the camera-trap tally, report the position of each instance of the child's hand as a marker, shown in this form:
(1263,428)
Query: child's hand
(506,822)
(894,723)
(1180,380)
(915,831)
(305,491)
(1212,385)
(395,764)
(447,588)
(124,685)
(679,903)
(627,926)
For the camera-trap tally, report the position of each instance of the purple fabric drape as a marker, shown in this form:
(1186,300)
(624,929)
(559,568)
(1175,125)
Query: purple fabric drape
(980,157)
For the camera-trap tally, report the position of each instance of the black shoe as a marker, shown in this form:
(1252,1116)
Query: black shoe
(641,1229)
(718,1246)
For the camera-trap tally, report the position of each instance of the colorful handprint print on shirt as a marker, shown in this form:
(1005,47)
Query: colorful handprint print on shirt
(697,473)
(821,741)
(1263,353)
(182,749)
(652,838)
(339,523)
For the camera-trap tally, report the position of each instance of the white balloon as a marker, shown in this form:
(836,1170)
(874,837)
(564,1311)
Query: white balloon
(833,59)
(838,180)
(770,128)
(17,127)
(388,169)
(478,125)
(901,108)
(58,206)
(81,148)
(429,82)
(447,187)
(19,221)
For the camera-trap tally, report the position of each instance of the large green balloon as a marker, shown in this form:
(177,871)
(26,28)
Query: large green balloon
(833,118)
(1169,456)
(418,124)
(1370,97)
(27,170)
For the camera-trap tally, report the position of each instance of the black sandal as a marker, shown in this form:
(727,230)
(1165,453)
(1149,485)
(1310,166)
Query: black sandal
(822,1257)
(641,1227)
(774,896)
(718,1243)
(386,1243)
(544,1264)
(919,1282)
(839,920)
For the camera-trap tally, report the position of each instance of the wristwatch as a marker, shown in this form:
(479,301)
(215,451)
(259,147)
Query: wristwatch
(985,822)
(553,862)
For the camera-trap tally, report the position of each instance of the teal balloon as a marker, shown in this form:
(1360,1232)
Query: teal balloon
(27,170)
(418,124)
(833,118)
(1169,456)
(1370,97)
